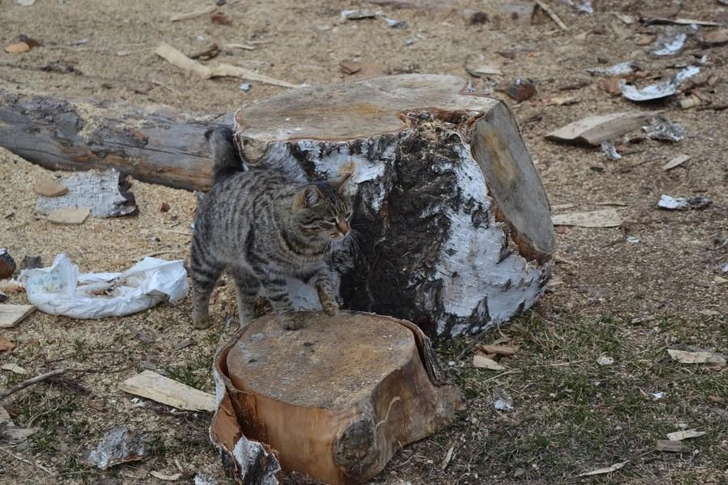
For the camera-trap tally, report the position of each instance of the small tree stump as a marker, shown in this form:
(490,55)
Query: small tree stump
(333,400)
(453,222)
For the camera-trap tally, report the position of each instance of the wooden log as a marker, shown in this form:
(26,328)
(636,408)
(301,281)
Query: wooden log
(334,400)
(153,144)
(453,222)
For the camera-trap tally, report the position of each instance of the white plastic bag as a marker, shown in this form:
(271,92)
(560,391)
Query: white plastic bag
(61,290)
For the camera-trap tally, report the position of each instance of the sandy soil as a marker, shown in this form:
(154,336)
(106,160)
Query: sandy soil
(671,272)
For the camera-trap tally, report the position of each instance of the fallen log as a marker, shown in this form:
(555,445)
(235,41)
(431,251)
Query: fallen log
(153,144)
(334,400)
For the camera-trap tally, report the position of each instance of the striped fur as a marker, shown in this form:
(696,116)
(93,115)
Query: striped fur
(261,227)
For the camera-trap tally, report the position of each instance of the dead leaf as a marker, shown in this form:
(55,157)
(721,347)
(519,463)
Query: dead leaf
(676,162)
(701,357)
(600,218)
(483,362)
(603,471)
(15,368)
(611,85)
(521,89)
(6,345)
(684,435)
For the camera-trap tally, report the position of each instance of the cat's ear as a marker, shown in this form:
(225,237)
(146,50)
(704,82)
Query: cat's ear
(345,174)
(309,196)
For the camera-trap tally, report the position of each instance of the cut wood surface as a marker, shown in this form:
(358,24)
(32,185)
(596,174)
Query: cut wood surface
(162,389)
(455,222)
(153,144)
(354,388)
(11,315)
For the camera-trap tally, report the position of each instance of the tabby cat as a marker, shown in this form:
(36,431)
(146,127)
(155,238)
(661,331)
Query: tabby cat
(262,226)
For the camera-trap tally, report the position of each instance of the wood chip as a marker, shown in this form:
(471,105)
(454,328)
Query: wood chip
(596,129)
(600,218)
(173,56)
(684,435)
(700,357)
(483,362)
(191,15)
(715,38)
(239,46)
(498,349)
(603,471)
(11,315)
(166,478)
(50,188)
(158,388)
(17,48)
(673,446)
(676,162)
(15,368)
(69,215)
(6,345)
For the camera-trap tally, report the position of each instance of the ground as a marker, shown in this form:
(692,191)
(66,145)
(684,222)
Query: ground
(608,298)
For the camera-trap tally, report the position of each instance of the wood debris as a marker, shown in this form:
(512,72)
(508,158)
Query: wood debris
(552,15)
(604,471)
(11,315)
(6,345)
(69,215)
(483,362)
(50,188)
(158,388)
(676,162)
(17,48)
(166,478)
(600,218)
(699,357)
(177,58)
(596,129)
(191,15)
(672,446)
(498,349)
(685,435)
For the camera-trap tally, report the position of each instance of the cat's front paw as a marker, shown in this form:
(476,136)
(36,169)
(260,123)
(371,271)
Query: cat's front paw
(201,320)
(291,321)
(330,307)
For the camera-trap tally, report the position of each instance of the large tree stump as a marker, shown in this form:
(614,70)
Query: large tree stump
(333,400)
(453,225)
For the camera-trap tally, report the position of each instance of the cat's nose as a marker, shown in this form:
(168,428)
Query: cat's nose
(343,227)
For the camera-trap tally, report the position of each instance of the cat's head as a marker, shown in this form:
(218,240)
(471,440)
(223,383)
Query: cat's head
(322,211)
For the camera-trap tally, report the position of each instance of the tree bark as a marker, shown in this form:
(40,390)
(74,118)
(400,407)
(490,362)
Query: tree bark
(334,400)
(152,144)
(453,223)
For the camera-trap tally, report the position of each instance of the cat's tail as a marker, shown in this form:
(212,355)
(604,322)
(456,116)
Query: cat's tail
(227,160)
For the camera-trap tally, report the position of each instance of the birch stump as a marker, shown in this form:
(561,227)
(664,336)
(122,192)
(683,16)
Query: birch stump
(452,221)
(333,400)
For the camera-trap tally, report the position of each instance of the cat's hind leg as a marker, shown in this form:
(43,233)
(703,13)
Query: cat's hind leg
(205,272)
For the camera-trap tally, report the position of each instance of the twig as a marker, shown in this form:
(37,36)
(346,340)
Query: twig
(191,15)
(552,14)
(30,382)
(40,467)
